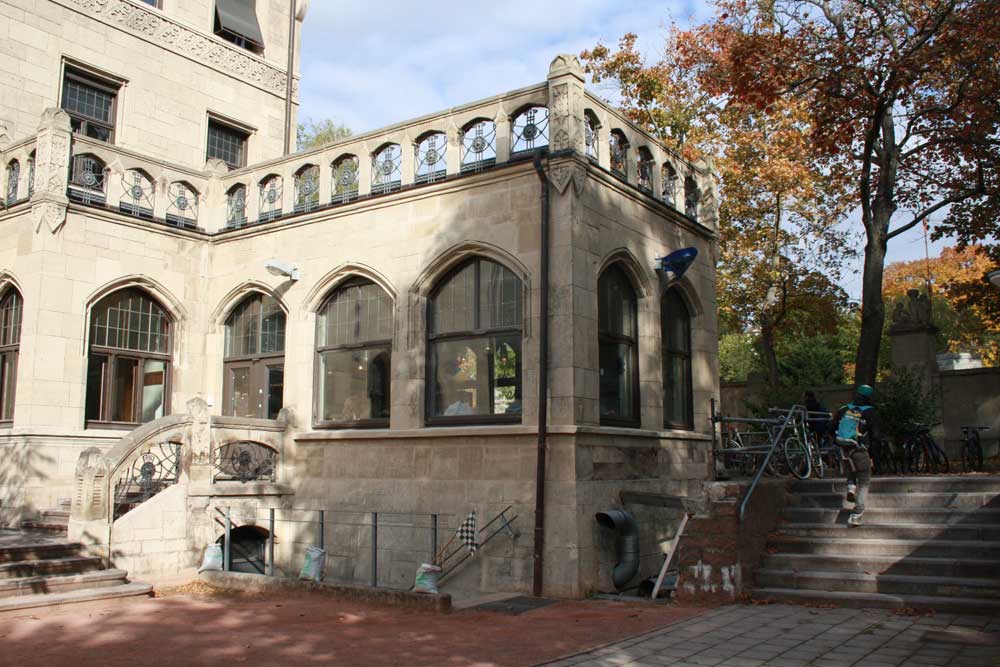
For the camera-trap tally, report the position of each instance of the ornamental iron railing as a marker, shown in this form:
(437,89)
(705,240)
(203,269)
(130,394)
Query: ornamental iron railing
(152,471)
(245,462)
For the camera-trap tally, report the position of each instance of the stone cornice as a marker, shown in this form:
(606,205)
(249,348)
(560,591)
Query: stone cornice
(153,26)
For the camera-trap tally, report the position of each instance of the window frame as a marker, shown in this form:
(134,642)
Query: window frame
(668,355)
(607,337)
(10,353)
(258,363)
(234,128)
(102,84)
(476,333)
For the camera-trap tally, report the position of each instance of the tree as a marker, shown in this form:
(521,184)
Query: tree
(312,134)
(904,93)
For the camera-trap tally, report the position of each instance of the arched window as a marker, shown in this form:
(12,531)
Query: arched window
(474,340)
(31,173)
(182,205)
(87,179)
(13,175)
(669,177)
(11,307)
(675,331)
(618,348)
(254,364)
(306,188)
(236,206)
(644,164)
(430,158)
(691,197)
(138,194)
(529,130)
(354,354)
(128,363)
(387,169)
(618,148)
(270,188)
(479,147)
(345,179)
(591,135)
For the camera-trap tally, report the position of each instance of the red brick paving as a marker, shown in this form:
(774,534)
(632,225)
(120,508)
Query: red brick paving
(185,629)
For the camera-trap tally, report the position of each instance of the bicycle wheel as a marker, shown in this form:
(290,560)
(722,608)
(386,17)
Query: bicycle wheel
(818,465)
(797,457)
(968,457)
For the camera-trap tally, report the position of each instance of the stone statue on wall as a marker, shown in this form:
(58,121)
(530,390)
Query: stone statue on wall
(914,313)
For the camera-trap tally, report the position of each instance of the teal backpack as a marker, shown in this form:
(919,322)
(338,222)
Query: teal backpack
(849,428)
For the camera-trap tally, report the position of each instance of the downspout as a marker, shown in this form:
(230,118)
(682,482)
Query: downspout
(543,381)
(290,75)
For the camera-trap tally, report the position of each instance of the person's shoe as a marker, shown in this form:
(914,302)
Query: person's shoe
(852,491)
(855,518)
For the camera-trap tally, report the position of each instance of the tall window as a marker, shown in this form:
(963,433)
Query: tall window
(618,348)
(128,366)
(254,363)
(90,103)
(675,330)
(354,353)
(11,306)
(474,341)
(227,144)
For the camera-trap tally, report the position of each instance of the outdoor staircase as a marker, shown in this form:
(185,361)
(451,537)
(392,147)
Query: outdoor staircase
(926,543)
(41,570)
(50,521)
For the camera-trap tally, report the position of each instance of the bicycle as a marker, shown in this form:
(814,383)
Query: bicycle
(923,454)
(972,448)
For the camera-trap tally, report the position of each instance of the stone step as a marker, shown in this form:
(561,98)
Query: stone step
(925,484)
(979,549)
(49,566)
(70,597)
(925,516)
(39,551)
(893,584)
(61,583)
(883,600)
(44,526)
(958,501)
(897,565)
(892,531)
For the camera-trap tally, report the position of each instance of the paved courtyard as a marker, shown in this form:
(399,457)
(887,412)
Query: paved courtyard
(794,636)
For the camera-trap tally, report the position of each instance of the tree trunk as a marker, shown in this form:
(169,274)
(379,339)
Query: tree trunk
(872,308)
(767,349)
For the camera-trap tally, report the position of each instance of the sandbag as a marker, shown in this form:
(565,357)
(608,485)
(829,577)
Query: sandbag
(212,560)
(312,567)
(426,580)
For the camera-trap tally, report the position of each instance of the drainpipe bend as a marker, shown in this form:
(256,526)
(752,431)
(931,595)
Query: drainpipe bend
(538,563)
(628,544)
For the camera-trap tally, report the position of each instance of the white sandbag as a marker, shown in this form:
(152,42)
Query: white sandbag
(312,567)
(426,580)
(213,559)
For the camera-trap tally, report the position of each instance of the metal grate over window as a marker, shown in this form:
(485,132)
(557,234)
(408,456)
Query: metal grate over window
(644,166)
(479,149)
(430,158)
(138,194)
(345,180)
(182,205)
(529,130)
(130,320)
(87,179)
(590,135)
(270,198)
(669,177)
(691,197)
(387,169)
(227,144)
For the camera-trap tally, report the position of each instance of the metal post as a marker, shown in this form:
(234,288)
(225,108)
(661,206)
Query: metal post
(270,543)
(226,556)
(434,536)
(322,525)
(374,549)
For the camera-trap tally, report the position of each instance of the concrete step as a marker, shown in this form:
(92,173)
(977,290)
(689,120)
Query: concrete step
(883,600)
(980,549)
(924,484)
(893,584)
(937,516)
(958,501)
(61,583)
(49,566)
(70,597)
(44,526)
(39,551)
(892,531)
(897,565)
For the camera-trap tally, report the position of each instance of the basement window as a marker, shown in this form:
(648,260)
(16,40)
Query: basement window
(236,22)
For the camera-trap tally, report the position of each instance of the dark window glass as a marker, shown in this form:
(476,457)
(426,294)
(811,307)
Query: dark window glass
(227,144)
(354,349)
(474,345)
(254,358)
(11,309)
(90,104)
(675,329)
(618,350)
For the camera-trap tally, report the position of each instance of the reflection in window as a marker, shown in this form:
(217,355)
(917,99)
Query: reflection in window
(475,319)
(617,348)
(255,358)
(675,330)
(354,347)
(11,309)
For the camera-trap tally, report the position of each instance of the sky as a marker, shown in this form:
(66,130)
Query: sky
(371,66)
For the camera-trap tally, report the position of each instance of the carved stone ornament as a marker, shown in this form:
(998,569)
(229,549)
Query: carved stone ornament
(914,314)
(51,215)
(160,29)
(89,497)
(564,174)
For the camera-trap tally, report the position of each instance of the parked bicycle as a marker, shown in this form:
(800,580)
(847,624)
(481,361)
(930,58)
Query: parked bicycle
(922,453)
(972,448)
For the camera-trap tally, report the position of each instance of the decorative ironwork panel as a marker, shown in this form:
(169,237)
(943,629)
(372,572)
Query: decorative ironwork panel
(430,158)
(691,197)
(387,169)
(644,166)
(151,472)
(182,206)
(87,180)
(270,198)
(345,180)
(31,174)
(138,194)
(479,149)
(13,175)
(236,207)
(307,188)
(618,147)
(591,137)
(529,130)
(669,177)
(245,462)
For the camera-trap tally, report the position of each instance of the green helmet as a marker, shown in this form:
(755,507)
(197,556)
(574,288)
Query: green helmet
(865,390)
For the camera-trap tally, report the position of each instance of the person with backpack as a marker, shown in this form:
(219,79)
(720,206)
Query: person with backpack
(856,430)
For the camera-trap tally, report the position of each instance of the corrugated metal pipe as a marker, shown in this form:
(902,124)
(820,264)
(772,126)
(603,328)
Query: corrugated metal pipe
(628,544)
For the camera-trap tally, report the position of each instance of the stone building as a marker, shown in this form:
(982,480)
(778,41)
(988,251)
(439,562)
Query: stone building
(359,325)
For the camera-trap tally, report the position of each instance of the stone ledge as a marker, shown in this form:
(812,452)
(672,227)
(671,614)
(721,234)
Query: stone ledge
(259,583)
(239,489)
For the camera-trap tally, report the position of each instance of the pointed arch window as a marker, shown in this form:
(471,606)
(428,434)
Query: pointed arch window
(591,135)
(618,349)
(387,169)
(529,130)
(618,148)
(691,197)
(128,363)
(11,309)
(675,332)
(254,364)
(307,188)
(345,180)
(13,175)
(479,148)
(430,154)
(644,166)
(354,356)
(669,177)
(474,346)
